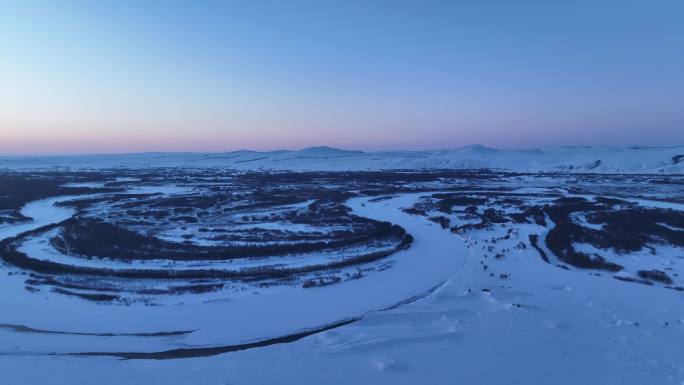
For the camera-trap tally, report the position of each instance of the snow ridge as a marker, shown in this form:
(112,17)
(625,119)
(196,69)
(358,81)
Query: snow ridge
(594,159)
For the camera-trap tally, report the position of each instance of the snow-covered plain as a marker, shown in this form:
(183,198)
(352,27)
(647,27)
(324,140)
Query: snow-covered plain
(667,160)
(470,307)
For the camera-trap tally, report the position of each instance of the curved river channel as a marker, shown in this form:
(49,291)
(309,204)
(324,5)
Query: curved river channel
(31,323)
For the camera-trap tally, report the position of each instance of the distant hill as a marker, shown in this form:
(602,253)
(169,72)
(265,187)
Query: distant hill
(635,159)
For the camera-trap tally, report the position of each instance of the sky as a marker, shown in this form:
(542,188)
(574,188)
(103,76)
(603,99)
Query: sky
(164,75)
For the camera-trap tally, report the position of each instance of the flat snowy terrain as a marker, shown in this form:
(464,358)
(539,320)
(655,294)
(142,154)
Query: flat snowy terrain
(669,160)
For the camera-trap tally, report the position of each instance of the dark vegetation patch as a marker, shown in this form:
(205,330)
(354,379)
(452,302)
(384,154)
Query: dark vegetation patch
(534,241)
(655,275)
(561,237)
(634,280)
(447,201)
(441,220)
(196,288)
(623,229)
(87,296)
(93,238)
(631,229)
(613,201)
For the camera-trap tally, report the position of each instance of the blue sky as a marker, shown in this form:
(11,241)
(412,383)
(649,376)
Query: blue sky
(128,76)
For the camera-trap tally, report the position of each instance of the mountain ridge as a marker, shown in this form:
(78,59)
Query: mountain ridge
(599,159)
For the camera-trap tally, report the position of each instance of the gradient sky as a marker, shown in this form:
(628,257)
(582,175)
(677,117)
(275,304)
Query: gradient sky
(158,75)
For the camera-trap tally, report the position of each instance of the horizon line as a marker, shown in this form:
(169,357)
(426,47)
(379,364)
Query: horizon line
(475,145)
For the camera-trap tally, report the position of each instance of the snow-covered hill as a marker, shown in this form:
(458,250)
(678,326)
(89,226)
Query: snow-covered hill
(666,160)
